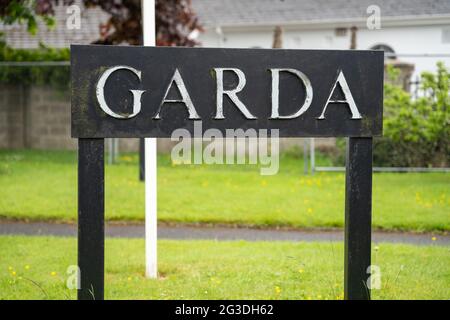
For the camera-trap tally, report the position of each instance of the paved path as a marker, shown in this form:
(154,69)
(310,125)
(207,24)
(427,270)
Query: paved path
(216,233)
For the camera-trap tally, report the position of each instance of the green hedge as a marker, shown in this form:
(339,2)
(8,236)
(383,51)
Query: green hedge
(57,76)
(416,131)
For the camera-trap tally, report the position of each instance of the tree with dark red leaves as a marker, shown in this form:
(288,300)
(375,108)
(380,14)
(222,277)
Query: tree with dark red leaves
(176,22)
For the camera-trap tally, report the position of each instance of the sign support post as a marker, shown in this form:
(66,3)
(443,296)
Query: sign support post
(91,212)
(150,164)
(357,114)
(358,218)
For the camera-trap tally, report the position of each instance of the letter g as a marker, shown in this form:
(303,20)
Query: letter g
(137,94)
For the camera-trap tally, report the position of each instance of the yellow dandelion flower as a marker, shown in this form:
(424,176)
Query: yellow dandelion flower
(310,210)
(53,273)
(433,239)
(13,273)
(264,183)
(27,267)
(129,278)
(277,290)
(301,270)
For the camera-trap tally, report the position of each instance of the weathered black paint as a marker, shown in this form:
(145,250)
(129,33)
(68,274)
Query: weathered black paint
(91,209)
(358,218)
(362,69)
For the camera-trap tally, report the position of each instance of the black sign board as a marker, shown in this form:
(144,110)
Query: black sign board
(150,92)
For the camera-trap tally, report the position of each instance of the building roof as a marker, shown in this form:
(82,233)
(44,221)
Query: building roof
(280,12)
(213,13)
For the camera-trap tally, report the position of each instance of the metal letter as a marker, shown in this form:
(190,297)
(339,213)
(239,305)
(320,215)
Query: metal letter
(186,99)
(137,94)
(348,98)
(230,93)
(276,93)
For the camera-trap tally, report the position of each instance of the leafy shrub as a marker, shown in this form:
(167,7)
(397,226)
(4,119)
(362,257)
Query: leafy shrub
(416,131)
(57,76)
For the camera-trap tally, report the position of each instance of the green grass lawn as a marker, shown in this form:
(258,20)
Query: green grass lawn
(35,268)
(43,185)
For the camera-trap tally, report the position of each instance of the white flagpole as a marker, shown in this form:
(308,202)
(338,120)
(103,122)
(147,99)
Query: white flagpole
(151,269)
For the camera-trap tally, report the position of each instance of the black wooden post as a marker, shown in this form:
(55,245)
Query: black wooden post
(91,210)
(358,218)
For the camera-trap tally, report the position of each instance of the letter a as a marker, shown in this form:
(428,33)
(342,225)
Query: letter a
(186,99)
(347,95)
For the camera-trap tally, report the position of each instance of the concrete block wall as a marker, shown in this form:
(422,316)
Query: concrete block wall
(38,117)
(49,119)
(12,116)
(4,134)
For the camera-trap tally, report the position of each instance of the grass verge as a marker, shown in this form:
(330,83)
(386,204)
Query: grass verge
(40,185)
(35,268)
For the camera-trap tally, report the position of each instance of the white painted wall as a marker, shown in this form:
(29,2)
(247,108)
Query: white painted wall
(403,39)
